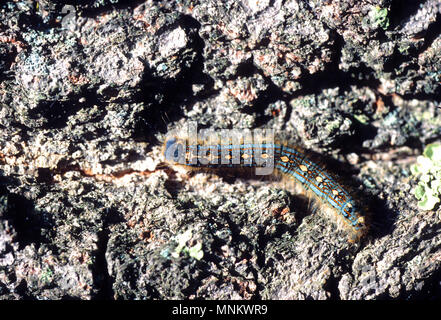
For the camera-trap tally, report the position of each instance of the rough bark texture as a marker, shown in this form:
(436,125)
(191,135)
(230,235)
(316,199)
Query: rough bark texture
(88,93)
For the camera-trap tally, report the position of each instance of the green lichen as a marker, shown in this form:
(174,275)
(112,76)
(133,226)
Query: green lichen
(332,126)
(404,48)
(47,275)
(194,251)
(379,17)
(363,119)
(428,168)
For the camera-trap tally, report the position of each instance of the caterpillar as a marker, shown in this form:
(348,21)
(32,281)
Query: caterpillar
(286,161)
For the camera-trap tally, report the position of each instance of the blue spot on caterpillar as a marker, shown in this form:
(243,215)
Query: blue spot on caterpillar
(290,161)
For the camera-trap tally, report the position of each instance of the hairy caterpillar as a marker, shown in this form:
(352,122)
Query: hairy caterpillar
(290,162)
